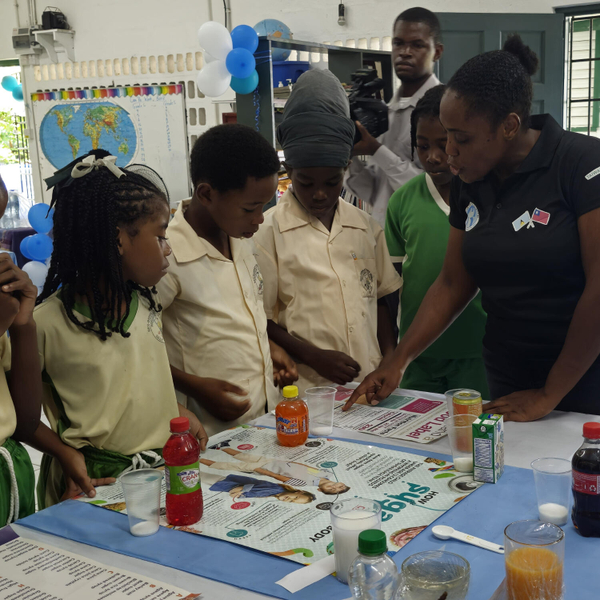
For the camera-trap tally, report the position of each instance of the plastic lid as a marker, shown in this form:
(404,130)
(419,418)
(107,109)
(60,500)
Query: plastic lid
(372,542)
(180,424)
(591,430)
(290,391)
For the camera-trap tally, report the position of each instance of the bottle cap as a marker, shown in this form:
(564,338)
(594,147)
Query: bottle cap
(591,430)
(290,391)
(180,424)
(372,542)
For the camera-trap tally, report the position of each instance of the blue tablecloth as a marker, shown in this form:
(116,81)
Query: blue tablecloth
(485,513)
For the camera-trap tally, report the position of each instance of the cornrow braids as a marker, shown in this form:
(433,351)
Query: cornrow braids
(427,106)
(86,262)
(498,83)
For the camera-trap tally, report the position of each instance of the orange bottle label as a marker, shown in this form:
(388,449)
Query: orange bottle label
(292,425)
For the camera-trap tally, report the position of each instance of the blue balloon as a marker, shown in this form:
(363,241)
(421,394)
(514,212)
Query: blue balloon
(243,36)
(245,86)
(40,247)
(9,83)
(41,217)
(18,92)
(240,63)
(24,247)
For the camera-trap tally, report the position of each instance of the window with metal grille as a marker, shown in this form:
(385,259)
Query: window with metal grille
(583,74)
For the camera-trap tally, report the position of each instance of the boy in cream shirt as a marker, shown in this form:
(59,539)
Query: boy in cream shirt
(325,263)
(214,322)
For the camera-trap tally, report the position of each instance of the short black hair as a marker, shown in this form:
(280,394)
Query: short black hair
(498,83)
(226,155)
(422,15)
(427,106)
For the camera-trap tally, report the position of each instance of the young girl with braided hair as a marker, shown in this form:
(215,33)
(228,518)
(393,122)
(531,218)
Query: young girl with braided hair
(109,395)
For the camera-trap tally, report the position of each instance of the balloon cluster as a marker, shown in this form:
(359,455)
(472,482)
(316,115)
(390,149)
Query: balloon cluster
(10,84)
(38,247)
(229,59)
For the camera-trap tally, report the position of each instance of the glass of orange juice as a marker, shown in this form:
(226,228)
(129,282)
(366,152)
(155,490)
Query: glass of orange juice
(534,553)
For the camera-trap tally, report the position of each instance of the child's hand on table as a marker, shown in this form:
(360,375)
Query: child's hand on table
(334,366)
(196,428)
(285,371)
(76,476)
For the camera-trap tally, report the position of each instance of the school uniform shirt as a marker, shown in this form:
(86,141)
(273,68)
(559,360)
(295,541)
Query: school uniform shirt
(115,394)
(392,165)
(522,246)
(8,416)
(215,323)
(416,230)
(322,286)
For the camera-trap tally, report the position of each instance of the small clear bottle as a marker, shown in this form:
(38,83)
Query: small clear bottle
(373,574)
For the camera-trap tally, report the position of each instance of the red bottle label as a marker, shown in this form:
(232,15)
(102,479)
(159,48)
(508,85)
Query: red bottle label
(586,483)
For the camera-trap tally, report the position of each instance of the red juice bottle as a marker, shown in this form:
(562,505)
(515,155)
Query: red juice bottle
(586,483)
(182,474)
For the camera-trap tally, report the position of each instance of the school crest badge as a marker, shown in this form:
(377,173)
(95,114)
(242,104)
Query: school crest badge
(155,326)
(258,280)
(367,281)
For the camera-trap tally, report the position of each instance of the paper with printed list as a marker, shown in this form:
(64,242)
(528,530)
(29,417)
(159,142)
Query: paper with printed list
(33,570)
(400,416)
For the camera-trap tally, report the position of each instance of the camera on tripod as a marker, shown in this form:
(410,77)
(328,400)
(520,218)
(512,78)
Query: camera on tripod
(366,104)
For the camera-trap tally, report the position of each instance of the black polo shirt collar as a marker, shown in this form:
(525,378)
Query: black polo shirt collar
(542,153)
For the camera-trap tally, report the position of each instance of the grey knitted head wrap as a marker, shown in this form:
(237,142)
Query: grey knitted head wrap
(317,130)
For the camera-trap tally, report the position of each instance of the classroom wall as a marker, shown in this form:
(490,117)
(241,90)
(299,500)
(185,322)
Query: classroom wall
(145,42)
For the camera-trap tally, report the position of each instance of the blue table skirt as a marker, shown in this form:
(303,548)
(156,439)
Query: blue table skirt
(485,513)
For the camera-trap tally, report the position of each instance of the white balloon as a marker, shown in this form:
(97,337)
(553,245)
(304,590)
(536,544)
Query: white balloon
(215,39)
(208,58)
(214,79)
(37,272)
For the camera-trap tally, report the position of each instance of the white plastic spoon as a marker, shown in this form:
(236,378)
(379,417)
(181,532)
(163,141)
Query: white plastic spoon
(445,532)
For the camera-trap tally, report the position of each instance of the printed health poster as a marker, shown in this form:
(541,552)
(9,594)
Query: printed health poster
(401,415)
(277,499)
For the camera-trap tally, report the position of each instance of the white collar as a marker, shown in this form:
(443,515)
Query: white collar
(436,195)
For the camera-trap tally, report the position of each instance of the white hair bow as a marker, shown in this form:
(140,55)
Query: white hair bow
(89,163)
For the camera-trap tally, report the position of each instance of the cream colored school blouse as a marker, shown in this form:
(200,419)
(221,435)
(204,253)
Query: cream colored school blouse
(322,286)
(118,394)
(215,323)
(8,417)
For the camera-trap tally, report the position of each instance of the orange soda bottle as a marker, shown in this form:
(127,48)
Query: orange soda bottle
(291,416)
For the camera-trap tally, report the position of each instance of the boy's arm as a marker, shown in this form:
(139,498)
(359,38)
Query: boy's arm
(18,298)
(281,478)
(285,371)
(71,460)
(336,367)
(385,329)
(214,395)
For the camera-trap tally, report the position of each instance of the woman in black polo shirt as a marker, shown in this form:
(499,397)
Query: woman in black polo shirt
(526,231)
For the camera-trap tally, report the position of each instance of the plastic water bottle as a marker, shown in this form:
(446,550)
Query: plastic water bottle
(182,474)
(373,575)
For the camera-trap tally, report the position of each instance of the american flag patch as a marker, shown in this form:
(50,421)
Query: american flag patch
(540,216)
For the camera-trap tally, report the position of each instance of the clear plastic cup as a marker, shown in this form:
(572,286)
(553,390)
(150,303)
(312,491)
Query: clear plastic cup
(460,434)
(450,399)
(428,575)
(534,554)
(142,498)
(552,478)
(320,402)
(348,518)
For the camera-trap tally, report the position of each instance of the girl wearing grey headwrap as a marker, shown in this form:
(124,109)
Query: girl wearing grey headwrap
(324,262)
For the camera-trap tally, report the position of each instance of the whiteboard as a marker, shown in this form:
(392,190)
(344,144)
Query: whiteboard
(137,124)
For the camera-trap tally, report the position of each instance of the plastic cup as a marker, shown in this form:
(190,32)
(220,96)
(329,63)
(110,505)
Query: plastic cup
(450,399)
(142,498)
(534,554)
(348,518)
(460,433)
(552,478)
(428,575)
(320,402)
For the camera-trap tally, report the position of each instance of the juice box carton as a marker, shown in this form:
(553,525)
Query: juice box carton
(488,448)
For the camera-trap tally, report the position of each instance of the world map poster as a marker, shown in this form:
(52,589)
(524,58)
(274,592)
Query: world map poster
(137,124)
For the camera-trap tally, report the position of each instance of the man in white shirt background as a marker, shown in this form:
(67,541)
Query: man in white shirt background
(416,47)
